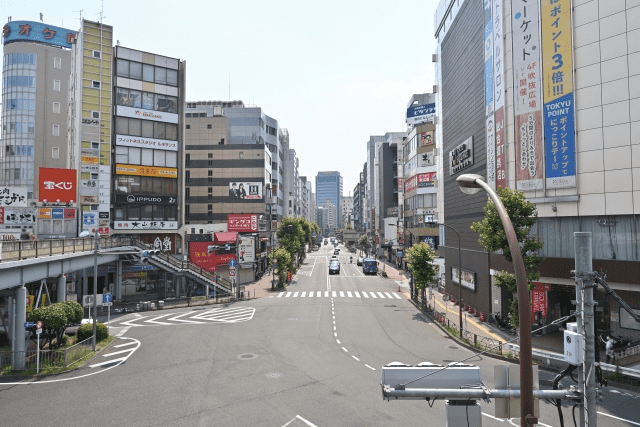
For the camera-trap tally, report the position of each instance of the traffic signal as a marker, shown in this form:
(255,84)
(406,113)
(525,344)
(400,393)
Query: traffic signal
(144,255)
(210,249)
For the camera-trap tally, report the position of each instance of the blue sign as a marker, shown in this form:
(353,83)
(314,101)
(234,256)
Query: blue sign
(57,213)
(421,113)
(107,298)
(232,263)
(227,247)
(28,324)
(559,142)
(38,32)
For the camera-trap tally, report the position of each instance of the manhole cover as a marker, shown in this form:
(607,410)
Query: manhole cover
(273,375)
(454,347)
(247,356)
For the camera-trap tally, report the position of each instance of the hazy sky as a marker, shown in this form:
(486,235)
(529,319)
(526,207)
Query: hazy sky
(331,72)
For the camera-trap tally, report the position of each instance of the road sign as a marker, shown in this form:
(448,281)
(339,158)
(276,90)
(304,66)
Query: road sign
(28,324)
(107,298)
(232,271)
(39,324)
(232,263)
(38,331)
(227,247)
(107,304)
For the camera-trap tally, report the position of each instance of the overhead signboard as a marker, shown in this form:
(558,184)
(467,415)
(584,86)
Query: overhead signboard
(139,113)
(247,249)
(426,159)
(145,199)
(421,114)
(57,185)
(199,255)
(426,138)
(145,225)
(17,216)
(13,196)
(461,157)
(140,142)
(146,171)
(242,223)
(468,278)
(37,32)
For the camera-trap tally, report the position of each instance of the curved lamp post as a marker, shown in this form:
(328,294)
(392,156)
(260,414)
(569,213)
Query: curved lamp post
(471,184)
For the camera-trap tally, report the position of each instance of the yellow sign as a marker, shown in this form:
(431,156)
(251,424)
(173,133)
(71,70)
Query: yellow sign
(30,300)
(45,213)
(146,171)
(557,50)
(89,159)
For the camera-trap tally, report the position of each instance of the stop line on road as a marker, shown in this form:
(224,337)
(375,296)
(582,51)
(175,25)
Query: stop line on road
(338,294)
(217,315)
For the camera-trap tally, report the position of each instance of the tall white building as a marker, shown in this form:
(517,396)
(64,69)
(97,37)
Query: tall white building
(346,212)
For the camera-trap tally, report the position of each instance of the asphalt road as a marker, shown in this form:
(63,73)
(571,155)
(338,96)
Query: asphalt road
(303,357)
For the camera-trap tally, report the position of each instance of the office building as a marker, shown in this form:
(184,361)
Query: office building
(329,187)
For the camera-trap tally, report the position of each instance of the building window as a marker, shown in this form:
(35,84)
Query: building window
(208,126)
(209,207)
(55,153)
(188,126)
(221,141)
(95,84)
(210,180)
(188,159)
(187,192)
(56,85)
(210,162)
(210,155)
(209,196)
(95,114)
(187,114)
(57,63)
(209,173)
(56,130)
(95,54)
(56,108)
(188,176)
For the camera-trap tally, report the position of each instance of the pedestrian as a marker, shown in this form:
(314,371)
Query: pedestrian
(609,348)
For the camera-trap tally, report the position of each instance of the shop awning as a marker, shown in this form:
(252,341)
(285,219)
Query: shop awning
(426,231)
(226,237)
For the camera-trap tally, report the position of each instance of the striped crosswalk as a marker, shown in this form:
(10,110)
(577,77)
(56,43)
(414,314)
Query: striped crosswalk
(339,294)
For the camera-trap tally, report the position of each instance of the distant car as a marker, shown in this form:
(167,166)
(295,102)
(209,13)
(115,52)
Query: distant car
(316,247)
(336,251)
(359,262)
(334,267)
(333,257)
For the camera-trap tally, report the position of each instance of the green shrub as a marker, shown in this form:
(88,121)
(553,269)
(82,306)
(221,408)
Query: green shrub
(86,331)
(75,313)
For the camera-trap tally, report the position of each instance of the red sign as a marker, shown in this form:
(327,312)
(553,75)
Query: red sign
(539,300)
(70,213)
(288,276)
(57,185)
(242,223)
(199,255)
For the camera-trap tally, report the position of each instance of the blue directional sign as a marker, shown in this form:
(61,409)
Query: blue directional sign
(28,324)
(227,247)
(107,297)
(232,263)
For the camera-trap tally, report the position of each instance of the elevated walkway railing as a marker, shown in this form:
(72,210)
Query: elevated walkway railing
(17,250)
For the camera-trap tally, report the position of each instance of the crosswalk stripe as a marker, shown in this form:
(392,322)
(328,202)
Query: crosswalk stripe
(311,294)
(295,295)
(326,294)
(388,295)
(357,294)
(303,295)
(333,294)
(319,294)
(288,295)
(365,294)
(380,293)
(373,295)
(349,294)
(397,296)
(280,294)
(341,294)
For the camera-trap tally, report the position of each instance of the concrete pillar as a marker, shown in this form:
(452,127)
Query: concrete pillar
(119,281)
(62,288)
(85,282)
(10,321)
(20,333)
(179,283)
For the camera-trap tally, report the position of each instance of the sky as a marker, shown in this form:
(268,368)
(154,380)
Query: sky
(332,73)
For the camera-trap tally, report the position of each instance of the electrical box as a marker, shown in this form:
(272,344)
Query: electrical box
(573,348)
(463,414)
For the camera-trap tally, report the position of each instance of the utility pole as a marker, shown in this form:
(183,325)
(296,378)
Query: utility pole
(585,287)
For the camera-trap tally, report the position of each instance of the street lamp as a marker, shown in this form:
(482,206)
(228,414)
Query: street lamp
(459,274)
(471,184)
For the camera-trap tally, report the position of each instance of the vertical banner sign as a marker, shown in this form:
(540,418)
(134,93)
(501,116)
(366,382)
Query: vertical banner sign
(488,94)
(559,121)
(498,98)
(527,97)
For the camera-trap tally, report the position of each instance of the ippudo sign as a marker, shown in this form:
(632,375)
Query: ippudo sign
(242,223)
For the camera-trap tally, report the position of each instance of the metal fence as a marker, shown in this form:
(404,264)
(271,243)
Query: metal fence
(25,249)
(48,358)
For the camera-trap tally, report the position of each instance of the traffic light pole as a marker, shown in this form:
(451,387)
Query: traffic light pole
(96,243)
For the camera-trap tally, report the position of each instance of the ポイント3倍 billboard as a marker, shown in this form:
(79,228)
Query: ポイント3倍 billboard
(57,185)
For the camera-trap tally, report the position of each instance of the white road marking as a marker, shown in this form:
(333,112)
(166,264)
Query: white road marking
(123,345)
(617,418)
(295,295)
(96,365)
(380,293)
(345,350)
(319,294)
(333,294)
(303,295)
(335,334)
(305,421)
(357,294)
(338,341)
(334,328)
(349,294)
(341,294)
(373,295)
(491,416)
(122,332)
(311,294)
(326,294)
(388,295)
(397,296)
(365,295)
(373,369)
(288,295)
(280,294)
(128,323)
(159,317)
(356,358)
(118,352)
(177,319)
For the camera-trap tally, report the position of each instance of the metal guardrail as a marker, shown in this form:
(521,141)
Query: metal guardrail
(16,250)
(49,358)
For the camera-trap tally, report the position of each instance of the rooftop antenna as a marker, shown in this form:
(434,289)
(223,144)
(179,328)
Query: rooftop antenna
(41,17)
(80,12)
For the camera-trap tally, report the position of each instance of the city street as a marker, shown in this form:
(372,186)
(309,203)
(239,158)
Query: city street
(307,356)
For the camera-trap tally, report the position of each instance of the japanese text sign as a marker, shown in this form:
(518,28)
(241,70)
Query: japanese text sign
(39,32)
(57,184)
(13,196)
(242,223)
